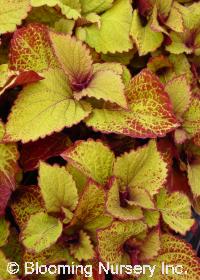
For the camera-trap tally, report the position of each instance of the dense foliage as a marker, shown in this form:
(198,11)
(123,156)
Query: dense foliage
(99,134)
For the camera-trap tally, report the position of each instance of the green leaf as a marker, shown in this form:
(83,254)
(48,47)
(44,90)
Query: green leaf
(177,252)
(64,25)
(179,93)
(84,249)
(95,6)
(144,37)
(57,187)
(143,168)
(12,13)
(113,205)
(111,249)
(193,177)
(79,178)
(175,19)
(69,8)
(4,230)
(190,14)
(113,35)
(31,49)
(48,102)
(178,45)
(176,211)
(192,117)
(27,202)
(150,114)
(41,232)
(90,213)
(92,158)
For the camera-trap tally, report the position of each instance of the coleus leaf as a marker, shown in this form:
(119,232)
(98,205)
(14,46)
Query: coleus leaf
(28,201)
(71,9)
(31,49)
(95,6)
(143,168)
(79,178)
(152,218)
(3,268)
(190,14)
(176,210)
(192,117)
(57,187)
(4,229)
(110,38)
(144,37)
(48,102)
(176,251)
(175,19)
(84,249)
(12,13)
(43,149)
(86,79)
(145,94)
(111,250)
(180,98)
(8,170)
(90,212)
(92,158)
(193,177)
(115,207)
(41,232)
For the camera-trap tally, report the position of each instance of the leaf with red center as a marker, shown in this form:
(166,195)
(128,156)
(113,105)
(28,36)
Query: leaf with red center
(8,171)
(43,149)
(112,249)
(192,117)
(143,168)
(177,252)
(179,93)
(83,250)
(48,102)
(92,158)
(31,49)
(57,188)
(74,57)
(150,114)
(12,13)
(77,62)
(118,206)
(144,37)
(90,212)
(27,201)
(188,42)
(176,211)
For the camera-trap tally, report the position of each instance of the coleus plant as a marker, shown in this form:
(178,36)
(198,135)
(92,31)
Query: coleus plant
(99,135)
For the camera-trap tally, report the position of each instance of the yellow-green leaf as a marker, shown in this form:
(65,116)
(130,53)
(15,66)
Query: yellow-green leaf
(57,187)
(92,158)
(176,211)
(43,108)
(41,232)
(12,13)
(142,168)
(113,35)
